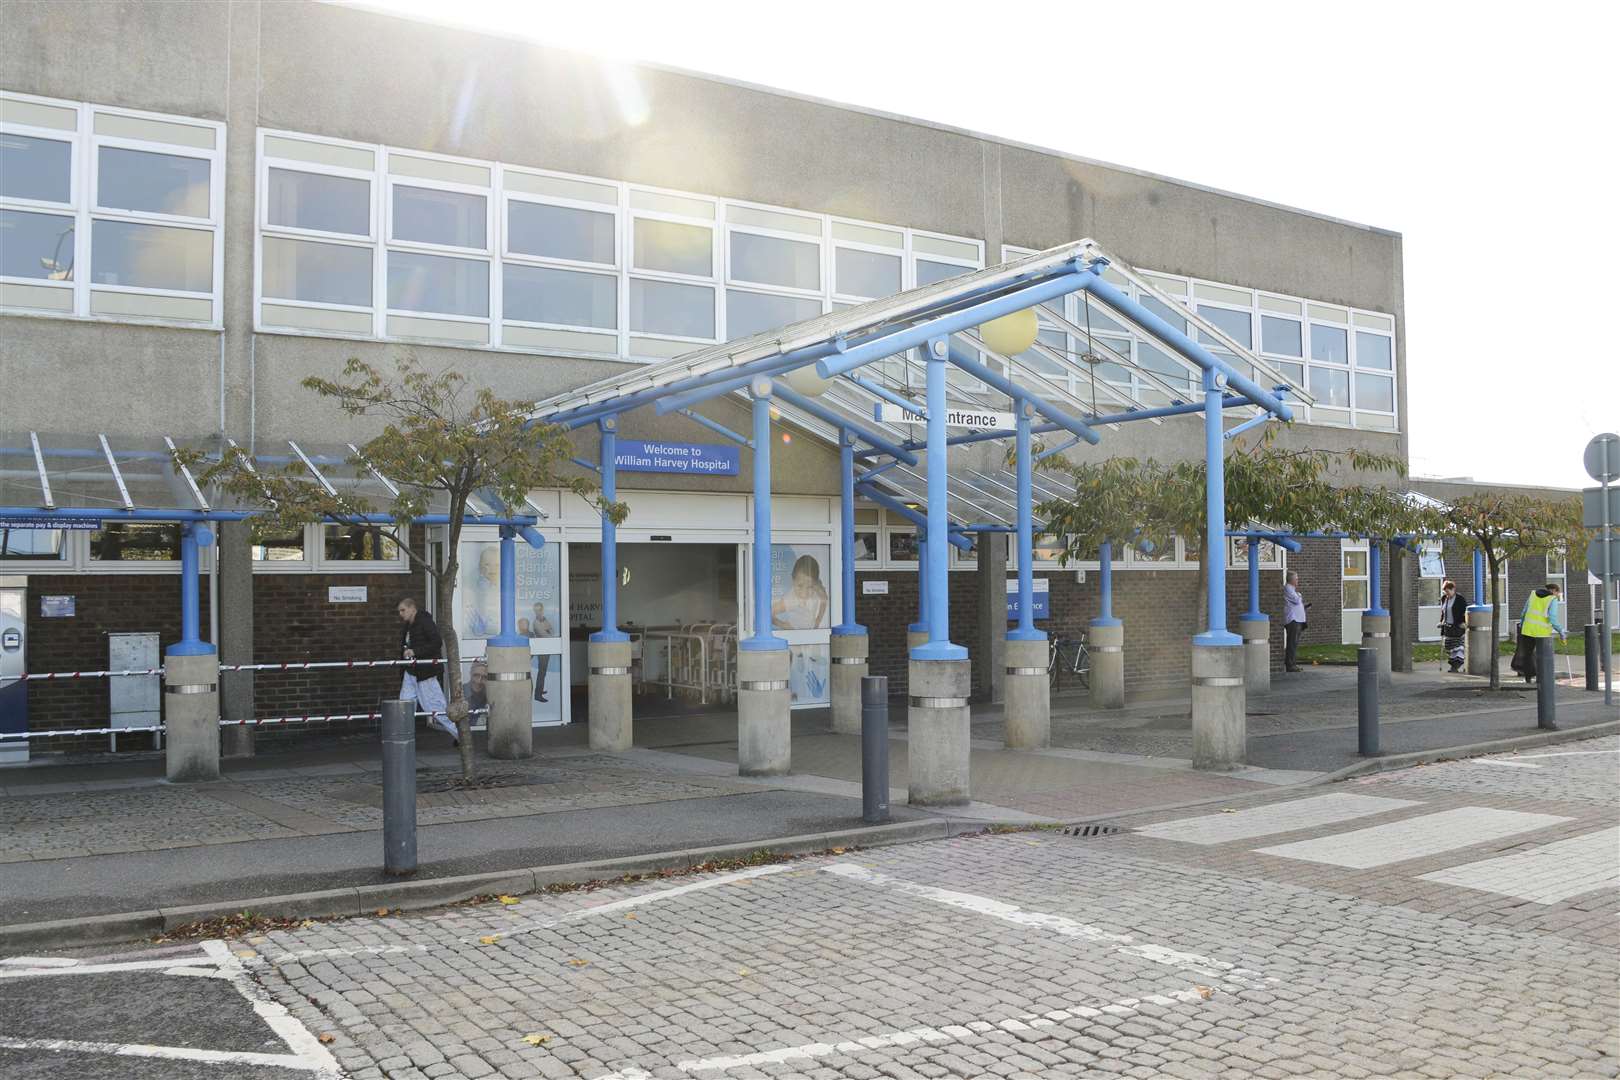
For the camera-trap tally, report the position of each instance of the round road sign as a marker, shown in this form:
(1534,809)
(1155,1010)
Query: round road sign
(1603,458)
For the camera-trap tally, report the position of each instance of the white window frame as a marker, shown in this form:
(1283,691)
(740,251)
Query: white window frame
(84,209)
(492,196)
(617,210)
(61,564)
(304,565)
(1350,631)
(714,282)
(835,243)
(1429,614)
(400,564)
(1389,373)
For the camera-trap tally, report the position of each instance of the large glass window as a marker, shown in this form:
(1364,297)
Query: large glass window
(1237,325)
(1374,351)
(543,294)
(437,284)
(1280,337)
(281,548)
(36,168)
(151,256)
(153,183)
(356,543)
(751,312)
(672,309)
(135,541)
(1330,387)
(1328,345)
(432,216)
(866,273)
(560,232)
(31,545)
(1375,392)
(307,200)
(930,271)
(315,272)
(674,248)
(770,260)
(36,245)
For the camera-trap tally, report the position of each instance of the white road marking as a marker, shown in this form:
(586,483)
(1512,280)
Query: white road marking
(905,1037)
(1280,817)
(304,1045)
(1523,759)
(1546,874)
(176,1053)
(92,969)
(1509,764)
(1414,838)
(39,961)
(1058,924)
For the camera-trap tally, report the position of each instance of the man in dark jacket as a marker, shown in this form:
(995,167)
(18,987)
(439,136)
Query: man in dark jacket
(420,640)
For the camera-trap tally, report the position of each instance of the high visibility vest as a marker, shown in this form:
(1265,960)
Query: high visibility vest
(1537,620)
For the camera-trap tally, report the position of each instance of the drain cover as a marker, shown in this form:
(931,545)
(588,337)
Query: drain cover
(1095,828)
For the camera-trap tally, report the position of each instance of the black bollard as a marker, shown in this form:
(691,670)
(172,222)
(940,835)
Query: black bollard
(874,749)
(1594,658)
(1367,702)
(399,787)
(1546,684)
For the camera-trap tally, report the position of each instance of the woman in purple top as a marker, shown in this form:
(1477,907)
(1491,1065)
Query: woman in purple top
(1294,606)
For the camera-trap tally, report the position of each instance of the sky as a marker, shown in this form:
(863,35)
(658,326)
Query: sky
(1481,132)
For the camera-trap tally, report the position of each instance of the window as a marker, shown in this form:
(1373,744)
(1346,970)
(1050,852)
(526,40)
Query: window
(773,269)
(560,281)
(1354,578)
(902,545)
(32,545)
(1558,571)
(317,203)
(134,541)
(672,272)
(439,257)
(108,212)
(289,548)
(357,544)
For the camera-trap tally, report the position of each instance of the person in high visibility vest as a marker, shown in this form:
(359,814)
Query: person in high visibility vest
(1540,620)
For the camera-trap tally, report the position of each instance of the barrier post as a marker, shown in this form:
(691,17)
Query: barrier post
(1594,659)
(1367,671)
(874,749)
(399,787)
(1546,684)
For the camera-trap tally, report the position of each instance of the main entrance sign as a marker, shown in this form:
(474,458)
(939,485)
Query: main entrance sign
(708,459)
(955,416)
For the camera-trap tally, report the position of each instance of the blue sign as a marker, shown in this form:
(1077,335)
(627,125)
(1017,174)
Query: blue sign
(1040,598)
(76,523)
(708,459)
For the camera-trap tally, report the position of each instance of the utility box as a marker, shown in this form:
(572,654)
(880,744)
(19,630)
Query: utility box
(136,699)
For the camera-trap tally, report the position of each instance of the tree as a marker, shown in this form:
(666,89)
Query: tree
(442,444)
(1504,525)
(1112,503)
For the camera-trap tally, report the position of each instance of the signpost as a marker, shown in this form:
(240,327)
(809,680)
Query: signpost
(1602,461)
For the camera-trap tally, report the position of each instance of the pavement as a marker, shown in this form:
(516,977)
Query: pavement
(1456,919)
(106,850)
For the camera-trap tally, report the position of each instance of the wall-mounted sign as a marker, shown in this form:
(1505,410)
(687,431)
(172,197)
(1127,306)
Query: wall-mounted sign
(346,594)
(874,588)
(955,416)
(1040,597)
(73,524)
(57,607)
(708,459)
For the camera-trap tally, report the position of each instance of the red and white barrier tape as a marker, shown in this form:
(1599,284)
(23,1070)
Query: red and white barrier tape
(291,665)
(265,721)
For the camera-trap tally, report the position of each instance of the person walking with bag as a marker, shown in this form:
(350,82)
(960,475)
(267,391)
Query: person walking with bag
(1540,620)
(1453,624)
(421,641)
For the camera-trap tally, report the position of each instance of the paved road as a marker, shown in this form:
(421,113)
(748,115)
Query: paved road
(1449,920)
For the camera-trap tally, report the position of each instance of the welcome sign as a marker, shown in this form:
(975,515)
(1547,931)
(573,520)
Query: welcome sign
(707,459)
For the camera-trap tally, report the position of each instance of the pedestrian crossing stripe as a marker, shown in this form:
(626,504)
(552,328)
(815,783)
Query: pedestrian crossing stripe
(1547,874)
(1414,838)
(1291,816)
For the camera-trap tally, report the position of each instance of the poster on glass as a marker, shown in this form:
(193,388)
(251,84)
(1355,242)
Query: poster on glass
(799,596)
(539,598)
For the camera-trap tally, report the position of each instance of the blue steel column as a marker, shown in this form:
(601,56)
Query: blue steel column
(1215,513)
(1375,559)
(1254,611)
(508,634)
(1105,577)
(935,575)
(763,638)
(1026,532)
(1480,599)
(608,458)
(192,536)
(921,625)
(846,504)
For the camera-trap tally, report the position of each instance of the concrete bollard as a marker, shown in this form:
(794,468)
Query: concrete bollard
(1375,635)
(849,667)
(191,717)
(1028,711)
(940,727)
(874,749)
(764,713)
(1219,725)
(1546,685)
(1366,701)
(399,787)
(1106,644)
(510,691)
(1256,634)
(609,700)
(1594,658)
(1479,642)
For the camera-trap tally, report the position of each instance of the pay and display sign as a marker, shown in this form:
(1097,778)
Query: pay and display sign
(955,416)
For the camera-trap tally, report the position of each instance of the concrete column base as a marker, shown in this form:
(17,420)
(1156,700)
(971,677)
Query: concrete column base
(1106,644)
(1375,636)
(940,730)
(609,695)
(1219,726)
(764,713)
(915,638)
(1028,712)
(849,666)
(191,718)
(1479,642)
(511,694)
(1256,635)
(236,741)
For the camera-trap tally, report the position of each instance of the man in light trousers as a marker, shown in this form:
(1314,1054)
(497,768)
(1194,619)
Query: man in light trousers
(420,640)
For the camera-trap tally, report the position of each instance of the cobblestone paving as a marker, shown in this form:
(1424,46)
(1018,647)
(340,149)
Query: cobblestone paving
(1022,955)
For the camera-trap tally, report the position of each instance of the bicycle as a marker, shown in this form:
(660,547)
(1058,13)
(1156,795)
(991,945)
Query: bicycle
(1068,656)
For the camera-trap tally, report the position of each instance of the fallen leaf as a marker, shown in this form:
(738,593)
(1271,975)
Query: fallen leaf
(1205,992)
(246,954)
(507,900)
(382,911)
(632,915)
(1228,810)
(326,1037)
(579,963)
(537,1040)
(837,851)
(489,939)
(306,924)
(742,971)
